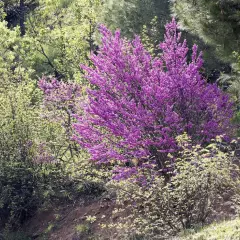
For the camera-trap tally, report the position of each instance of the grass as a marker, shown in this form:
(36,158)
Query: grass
(228,230)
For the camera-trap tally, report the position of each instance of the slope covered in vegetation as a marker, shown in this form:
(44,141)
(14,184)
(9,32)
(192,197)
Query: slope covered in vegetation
(105,134)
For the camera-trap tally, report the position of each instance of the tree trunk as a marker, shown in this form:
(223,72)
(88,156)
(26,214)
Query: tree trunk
(22,18)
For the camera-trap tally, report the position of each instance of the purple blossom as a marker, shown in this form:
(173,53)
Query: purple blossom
(139,104)
(43,157)
(60,102)
(60,95)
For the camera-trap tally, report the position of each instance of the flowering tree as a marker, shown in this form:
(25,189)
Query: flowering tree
(59,95)
(138,104)
(61,101)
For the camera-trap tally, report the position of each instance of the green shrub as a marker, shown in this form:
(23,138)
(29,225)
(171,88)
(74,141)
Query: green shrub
(236,121)
(162,208)
(68,181)
(19,179)
(82,228)
(36,165)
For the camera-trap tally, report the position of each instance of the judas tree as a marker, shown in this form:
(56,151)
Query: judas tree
(138,104)
(60,101)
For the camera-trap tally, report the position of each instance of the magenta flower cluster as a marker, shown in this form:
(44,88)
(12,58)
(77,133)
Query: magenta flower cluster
(60,101)
(60,95)
(138,104)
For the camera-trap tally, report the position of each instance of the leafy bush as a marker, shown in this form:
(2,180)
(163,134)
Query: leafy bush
(68,181)
(36,164)
(19,184)
(139,104)
(160,209)
(19,176)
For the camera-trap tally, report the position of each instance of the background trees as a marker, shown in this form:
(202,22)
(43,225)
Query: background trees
(216,22)
(131,16)
(128,15)
(62,35)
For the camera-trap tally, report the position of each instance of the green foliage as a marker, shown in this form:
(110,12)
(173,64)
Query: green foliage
(82,228)
(232,81)
(14,64)
(83,231)
(36,165)
(61,34)
(19,126)
(217,231)
(130,16)
(215,21)
(91,219)
(236,121)
(19,189)
(19,185)
(149,36)
(68,181)
(188,199)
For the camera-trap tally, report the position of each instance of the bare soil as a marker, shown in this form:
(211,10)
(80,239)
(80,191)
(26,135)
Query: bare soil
(61,223)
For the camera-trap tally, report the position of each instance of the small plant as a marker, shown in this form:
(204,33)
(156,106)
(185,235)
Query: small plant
(82,228)
(57,216)
(91,219)
(49,228)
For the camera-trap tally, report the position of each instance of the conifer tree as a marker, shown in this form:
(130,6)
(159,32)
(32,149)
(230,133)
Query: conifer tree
(148,18)
(215,21)
(131,15)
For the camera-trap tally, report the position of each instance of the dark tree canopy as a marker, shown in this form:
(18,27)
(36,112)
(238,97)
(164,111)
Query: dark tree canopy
(215,21)
(16,12)
(131,15)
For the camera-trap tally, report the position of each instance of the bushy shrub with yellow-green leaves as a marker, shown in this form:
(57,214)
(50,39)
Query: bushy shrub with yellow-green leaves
(36,165)
(20,193)
(163,207)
